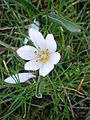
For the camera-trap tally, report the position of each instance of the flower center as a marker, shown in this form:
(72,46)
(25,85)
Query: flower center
(43,55)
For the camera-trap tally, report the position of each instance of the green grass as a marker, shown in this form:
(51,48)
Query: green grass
(61,99)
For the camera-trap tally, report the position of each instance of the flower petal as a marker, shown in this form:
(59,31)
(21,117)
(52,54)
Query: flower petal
(45,69)
(36,22)
(32,65)
(54,58)
(27,52)
(50,43)
(25,41)
(34,26)
(37,38)
(21,77)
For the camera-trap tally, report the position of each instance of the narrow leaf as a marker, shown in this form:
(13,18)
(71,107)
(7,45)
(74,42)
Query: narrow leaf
(58,20)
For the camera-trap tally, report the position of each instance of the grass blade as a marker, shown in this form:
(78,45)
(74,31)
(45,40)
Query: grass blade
(28,6)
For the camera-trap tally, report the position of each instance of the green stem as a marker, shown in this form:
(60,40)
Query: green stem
(38,94)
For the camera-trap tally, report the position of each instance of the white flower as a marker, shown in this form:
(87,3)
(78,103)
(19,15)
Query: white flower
(21,77)
(35,25)
(43,55)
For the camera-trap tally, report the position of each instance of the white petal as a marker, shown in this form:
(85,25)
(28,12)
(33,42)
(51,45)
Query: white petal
(34,26)
(21,77)
(32,65)
(54,58)
(36,22)
(27,52)
(37,38)
(25,41)
(45,69)
(50,43)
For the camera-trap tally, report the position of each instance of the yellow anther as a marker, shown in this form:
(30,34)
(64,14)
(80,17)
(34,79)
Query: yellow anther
(47,51)
(44,55)
(35,52)
(47,57)
(40,55)
(42,59)
(39,48)
(37,60)
(45,60)
(43,52)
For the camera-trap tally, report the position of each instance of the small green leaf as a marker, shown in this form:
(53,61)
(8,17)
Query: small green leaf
(58,20)
(28,6)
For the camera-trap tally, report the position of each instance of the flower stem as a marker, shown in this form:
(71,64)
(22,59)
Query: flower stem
(38,93)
